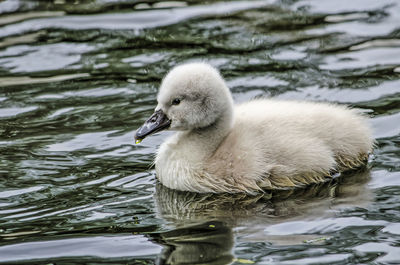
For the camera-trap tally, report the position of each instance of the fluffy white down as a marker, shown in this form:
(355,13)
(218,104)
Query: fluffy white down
(261,144)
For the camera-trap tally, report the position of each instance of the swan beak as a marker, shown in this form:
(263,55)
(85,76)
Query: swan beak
(157,122)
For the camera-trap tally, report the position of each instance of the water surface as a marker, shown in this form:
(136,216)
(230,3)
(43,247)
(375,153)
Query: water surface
(78,77)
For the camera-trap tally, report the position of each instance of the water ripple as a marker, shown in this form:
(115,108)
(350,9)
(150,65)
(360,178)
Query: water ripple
(77,79)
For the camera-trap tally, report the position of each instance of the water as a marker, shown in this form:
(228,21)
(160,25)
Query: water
(78,77)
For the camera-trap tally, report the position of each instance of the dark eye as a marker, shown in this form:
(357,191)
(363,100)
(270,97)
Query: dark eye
(176,101)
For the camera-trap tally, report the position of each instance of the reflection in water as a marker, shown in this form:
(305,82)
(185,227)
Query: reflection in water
(206,243)
(215,215)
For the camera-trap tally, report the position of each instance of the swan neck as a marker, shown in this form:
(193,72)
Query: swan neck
(211,136)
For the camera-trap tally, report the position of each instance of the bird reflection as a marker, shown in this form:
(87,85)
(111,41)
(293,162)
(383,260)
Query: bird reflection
(205,222)
(206,243)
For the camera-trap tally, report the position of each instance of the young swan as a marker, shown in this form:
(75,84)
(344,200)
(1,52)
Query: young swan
(261,144)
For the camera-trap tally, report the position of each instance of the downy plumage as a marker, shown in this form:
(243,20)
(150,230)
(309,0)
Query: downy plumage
(261,144)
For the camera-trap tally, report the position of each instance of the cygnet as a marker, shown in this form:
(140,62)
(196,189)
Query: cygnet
(263,144)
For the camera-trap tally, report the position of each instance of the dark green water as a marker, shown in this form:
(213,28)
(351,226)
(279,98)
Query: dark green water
(78,77)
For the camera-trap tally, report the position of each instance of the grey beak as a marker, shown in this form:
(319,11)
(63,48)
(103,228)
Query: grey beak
(157,122)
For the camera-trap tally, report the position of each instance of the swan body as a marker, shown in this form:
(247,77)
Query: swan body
(261,144)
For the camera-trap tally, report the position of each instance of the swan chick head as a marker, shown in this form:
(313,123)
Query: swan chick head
(191,96)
